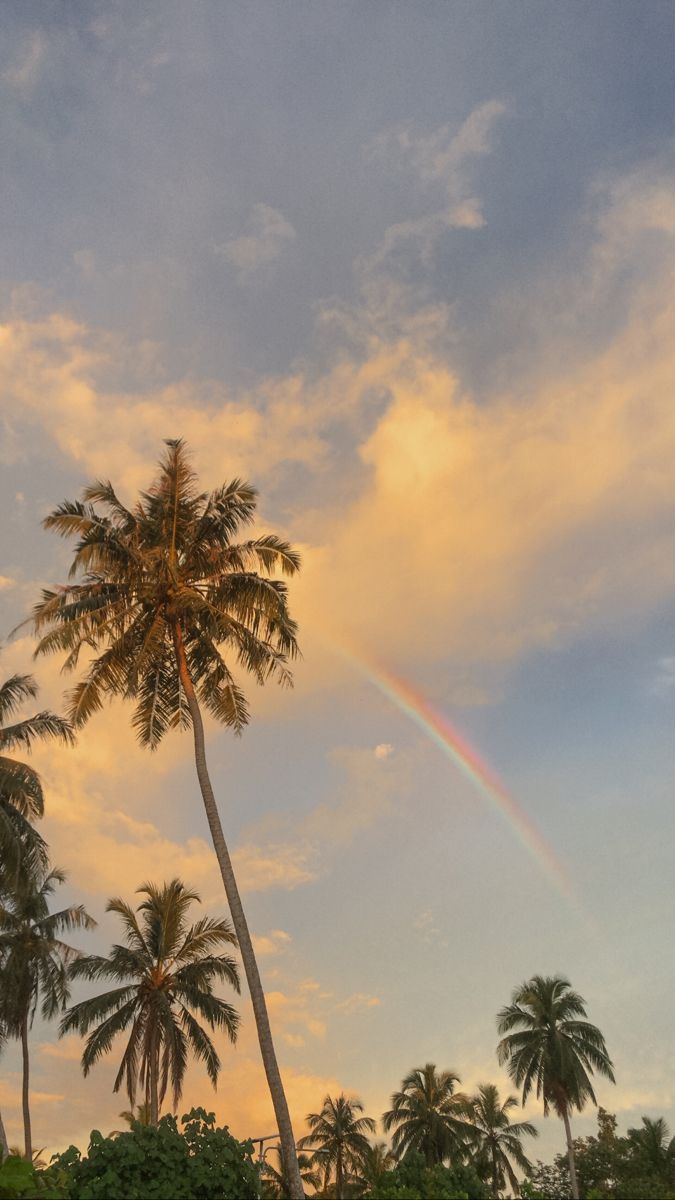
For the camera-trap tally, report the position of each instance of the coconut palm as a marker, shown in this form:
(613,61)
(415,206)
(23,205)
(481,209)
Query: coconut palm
(167,603)
(274,1187)
(34,962)
(4,1146)
(139,1115)
(21,796)
(550,1047)
(496,1140)
(427,1115)
(337,1139)
(652,1145)
(165,972)
(375,1162)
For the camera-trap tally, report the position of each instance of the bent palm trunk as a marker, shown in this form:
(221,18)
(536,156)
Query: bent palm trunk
(28,1137)
(288,1153)
(570,1156)
(4,1148)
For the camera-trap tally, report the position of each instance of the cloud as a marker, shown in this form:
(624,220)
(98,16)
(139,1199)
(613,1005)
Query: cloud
(269,945)
(6,582)
(664,680)
(384,750)
(24,72)
(267,236)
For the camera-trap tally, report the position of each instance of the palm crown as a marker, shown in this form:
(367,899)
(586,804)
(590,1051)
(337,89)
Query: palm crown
(495,1139)
(427,1114)
(21,797)
(338,1138)
(166,971)
(549,1046)
(168,569)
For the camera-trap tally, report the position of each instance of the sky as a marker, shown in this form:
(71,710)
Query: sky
(410,269)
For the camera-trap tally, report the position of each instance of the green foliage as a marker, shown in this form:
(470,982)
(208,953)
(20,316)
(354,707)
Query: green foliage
(427,1115)
(413,1180)
(160,1163)
(18,1178)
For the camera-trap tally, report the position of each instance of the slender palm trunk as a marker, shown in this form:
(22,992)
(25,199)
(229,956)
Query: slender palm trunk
(289,1157)
(338,1175)
(570,1155)
(154,1080)
(4,1147)
(495,1177)
(25,1096)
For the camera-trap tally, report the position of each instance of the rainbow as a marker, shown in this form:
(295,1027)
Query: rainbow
(443,733)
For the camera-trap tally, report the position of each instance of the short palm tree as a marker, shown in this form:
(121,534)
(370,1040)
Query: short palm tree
(165,971)
(495,1140)
(375,1162)
(653,1146)
(552,1049)
(167,603)
(337,1139)
(427,1115)
(274,1187)
(34,963)
(21,796)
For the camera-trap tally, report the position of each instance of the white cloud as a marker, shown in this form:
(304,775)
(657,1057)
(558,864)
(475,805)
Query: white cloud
(268,233)
(24,72)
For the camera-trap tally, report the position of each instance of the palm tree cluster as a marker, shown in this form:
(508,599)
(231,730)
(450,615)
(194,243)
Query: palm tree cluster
(166,600)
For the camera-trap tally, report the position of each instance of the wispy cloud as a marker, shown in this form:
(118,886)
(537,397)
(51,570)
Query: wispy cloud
(267,234)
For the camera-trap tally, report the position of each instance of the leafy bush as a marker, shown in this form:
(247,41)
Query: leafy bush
(19,1179)
(160,1163)
(413,1180)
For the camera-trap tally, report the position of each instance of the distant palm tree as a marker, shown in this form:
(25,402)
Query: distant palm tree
(166,972)
(164,588)
(652,1145)
(427,1115)
(337,1139)
(496,1140)
(21,796)
(274,1186)
(551,1048)
(34,963)
(376,1161)
(140,1115)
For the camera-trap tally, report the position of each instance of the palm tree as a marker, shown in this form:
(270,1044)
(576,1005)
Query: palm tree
(166,972)
(427,1115)
(21,797)
(376,1161)
(163,589)
(34,963)
(338,1139)
(652,1145)
(550,1046)
(138,1115)
(496,1140)
(4,1145)
(274,1186)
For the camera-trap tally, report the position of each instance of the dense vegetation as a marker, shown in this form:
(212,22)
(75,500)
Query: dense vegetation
(163,591)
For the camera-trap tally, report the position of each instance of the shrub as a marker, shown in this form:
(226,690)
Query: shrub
(161,1163)
(413,1180)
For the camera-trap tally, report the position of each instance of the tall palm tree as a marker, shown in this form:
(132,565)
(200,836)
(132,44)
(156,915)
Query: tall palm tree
(168,602)
(427,1115)
(550,1047)
(34,962)
(21,796)
(496,1140)
(165,972)
(337,1139)
(274,1186)
(4,1145)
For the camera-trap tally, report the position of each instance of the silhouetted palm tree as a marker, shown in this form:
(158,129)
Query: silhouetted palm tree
(496,1140)
(274,1186)
(375,1162)
(21,796)
(550,1048)
(164,589)
(427,1115)
(652,1145)
(338,1139)
(34,962)
(166,973)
